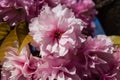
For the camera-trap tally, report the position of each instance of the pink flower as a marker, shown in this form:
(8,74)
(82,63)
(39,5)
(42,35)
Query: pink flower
(85,10)
(55,68)
(27,67)
(107,70)
(117,55)
(83,6)
(56,30)
(9,70)
(99,43)
(16,10)
(23,66)
(53,3)
(86,56)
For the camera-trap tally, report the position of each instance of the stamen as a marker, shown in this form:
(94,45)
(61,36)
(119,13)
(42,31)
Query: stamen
(57,34)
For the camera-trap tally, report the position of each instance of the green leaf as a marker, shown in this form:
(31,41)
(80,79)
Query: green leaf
(116,40)
(21,31)
(28,39)
(18,34)
(8,42)
(4,30)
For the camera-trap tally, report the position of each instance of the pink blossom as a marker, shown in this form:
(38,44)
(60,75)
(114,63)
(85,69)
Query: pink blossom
(55,68)
(96,65)
(83,6)
(17,67)
(56,30)
(53,3)
(117,56)
(27,67)
(99,43)
(83,9)
(16,10)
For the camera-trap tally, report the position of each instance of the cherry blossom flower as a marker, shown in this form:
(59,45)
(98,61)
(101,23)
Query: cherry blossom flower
(83,9)
(99,43)
(53,3)
(108,70)
(17,67)
(93,52)
(56,68)
(56,30)
(96,65)
(17,10)
(27,67)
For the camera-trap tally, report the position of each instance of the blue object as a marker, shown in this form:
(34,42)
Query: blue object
(98,29)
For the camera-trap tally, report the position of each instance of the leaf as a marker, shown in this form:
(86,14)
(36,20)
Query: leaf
(22,34)
(8,41)
(21,31)
(18,34)
(116,40)
(25,42)
(4,30)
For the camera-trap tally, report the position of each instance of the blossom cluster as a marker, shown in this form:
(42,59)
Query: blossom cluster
(59,29)
(15,11)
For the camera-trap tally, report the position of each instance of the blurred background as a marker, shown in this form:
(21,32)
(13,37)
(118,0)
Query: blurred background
(109,15)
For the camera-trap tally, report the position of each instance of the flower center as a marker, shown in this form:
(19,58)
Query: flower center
(57,34)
